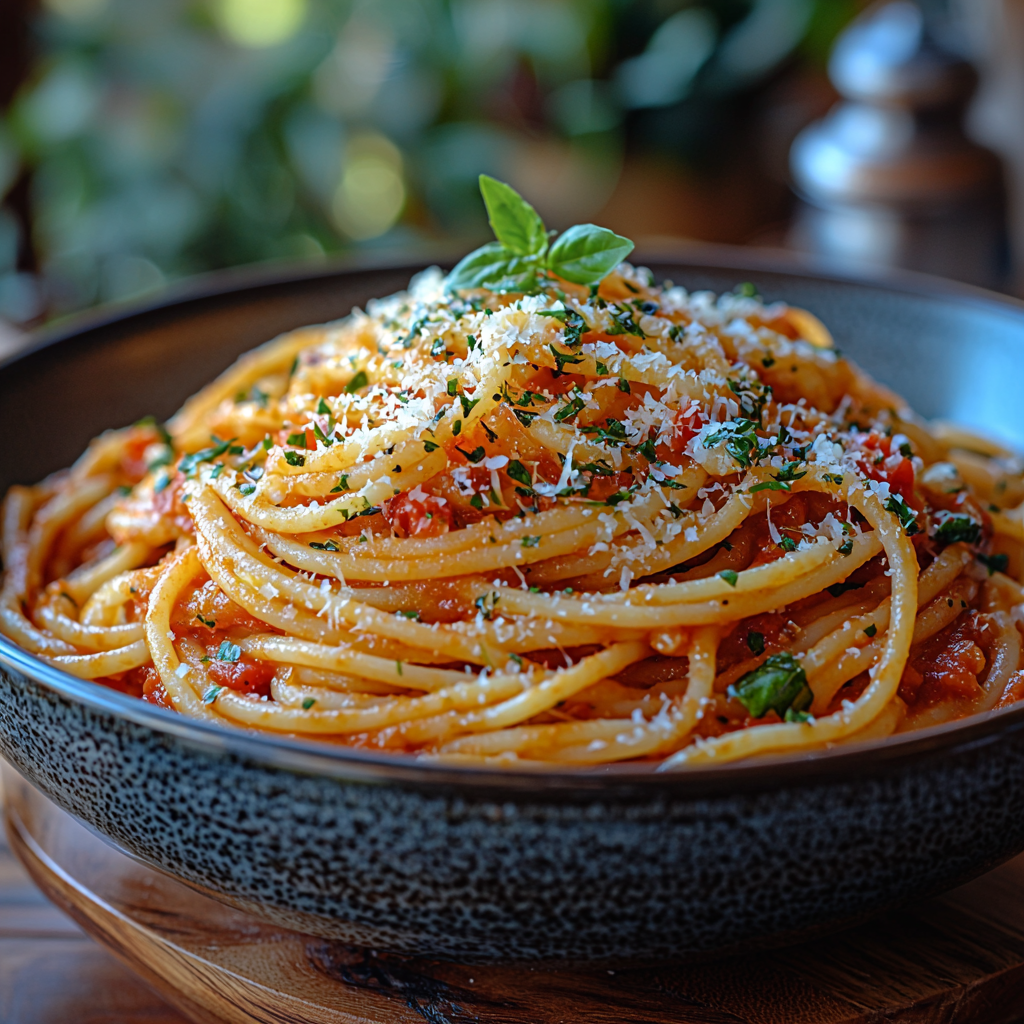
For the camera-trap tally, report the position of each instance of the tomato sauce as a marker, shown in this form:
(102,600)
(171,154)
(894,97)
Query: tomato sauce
(949,664)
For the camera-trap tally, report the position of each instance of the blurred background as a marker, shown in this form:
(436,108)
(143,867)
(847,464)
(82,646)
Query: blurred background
(143,141)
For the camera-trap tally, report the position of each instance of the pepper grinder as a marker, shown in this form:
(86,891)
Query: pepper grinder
(888,178)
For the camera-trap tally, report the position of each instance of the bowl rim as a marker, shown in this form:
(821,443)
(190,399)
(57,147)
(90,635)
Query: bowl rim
(320,758)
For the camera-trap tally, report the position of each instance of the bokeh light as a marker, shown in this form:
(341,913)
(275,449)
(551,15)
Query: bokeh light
(255,23)
(371,192)
(149,140)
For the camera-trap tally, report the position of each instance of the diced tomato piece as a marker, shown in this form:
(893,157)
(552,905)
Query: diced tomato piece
(153,689)
(901,480)
(208,608)
(739,645)
(948,665)
(133,460)
(167,502)
(418,514)
(603,487)
(1014,690)
(900,477)
(877,442)
(247,675)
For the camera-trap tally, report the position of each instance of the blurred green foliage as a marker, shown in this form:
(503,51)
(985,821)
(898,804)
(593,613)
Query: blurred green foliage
(169,137)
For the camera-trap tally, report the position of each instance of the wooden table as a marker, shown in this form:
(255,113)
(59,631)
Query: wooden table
(51,972)
(957,959)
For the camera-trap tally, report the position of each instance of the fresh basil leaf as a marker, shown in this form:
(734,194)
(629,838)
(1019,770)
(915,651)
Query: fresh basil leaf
(495,267)
(778,684)
(516,224)
(489,262)
(585,253)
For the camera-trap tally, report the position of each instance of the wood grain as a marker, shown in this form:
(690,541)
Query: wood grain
(958,959)
(51,972)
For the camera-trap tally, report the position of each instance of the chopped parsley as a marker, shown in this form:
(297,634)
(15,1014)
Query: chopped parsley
(950,528)
(189,462)
(572,408)
(486,604)
(623,322)
(647,451)
(574,325)
(561,358)
(740,440)
(518,472)
(476,455)
(613,432)
(753,397)
(228,651)
(906,515)
(327,545)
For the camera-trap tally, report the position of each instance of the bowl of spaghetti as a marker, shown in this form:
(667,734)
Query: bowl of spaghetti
(589,617)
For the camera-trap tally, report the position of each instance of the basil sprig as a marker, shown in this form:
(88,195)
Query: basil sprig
(522,257)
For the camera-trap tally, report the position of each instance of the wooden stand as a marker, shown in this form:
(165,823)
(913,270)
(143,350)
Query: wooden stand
(960,957)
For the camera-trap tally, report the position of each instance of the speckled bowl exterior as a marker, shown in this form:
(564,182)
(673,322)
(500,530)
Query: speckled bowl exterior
(621,864)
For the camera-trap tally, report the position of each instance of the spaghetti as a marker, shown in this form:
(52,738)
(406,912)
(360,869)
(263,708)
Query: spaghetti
(583,525)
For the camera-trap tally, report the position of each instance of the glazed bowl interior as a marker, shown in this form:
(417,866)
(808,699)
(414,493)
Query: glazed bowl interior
(952,351)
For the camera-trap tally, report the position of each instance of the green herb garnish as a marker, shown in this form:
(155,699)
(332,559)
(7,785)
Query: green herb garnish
(952,528)
(522,257)
(360,380)
(906,515)
(779,684)
(228,651)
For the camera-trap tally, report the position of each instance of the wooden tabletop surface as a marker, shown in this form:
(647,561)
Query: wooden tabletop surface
(52,973)
(955,959)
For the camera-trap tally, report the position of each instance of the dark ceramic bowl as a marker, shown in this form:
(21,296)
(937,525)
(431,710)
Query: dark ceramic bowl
(621,864)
